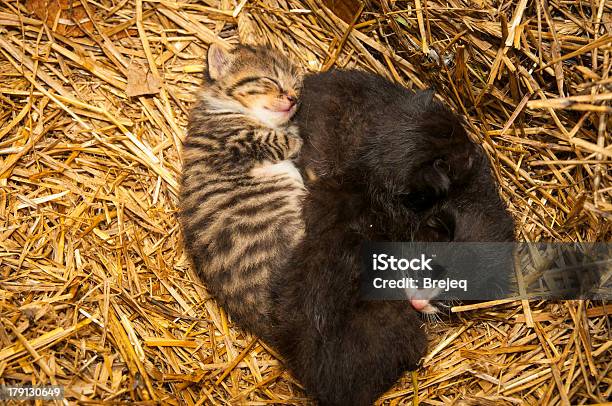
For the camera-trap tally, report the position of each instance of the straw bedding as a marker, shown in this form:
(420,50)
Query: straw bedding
(95,290)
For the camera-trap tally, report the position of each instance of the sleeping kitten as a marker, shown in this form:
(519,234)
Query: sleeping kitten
(387,164)
(241,194)
(420,164)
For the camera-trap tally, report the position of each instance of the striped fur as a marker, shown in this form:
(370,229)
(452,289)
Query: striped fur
(240,203)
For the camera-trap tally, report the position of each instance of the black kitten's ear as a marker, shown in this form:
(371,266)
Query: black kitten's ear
(438,226)
(438,176)
(425,97)
(218,59)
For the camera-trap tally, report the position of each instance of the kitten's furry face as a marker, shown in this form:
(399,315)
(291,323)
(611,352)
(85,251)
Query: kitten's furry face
(255,81)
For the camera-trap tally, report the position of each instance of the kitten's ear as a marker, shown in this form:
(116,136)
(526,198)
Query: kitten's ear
(218,58)
(438,226)
(425,97)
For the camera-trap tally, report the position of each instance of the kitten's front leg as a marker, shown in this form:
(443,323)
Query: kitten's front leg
(281,147)
(294,145)
(294,142)
(278,145)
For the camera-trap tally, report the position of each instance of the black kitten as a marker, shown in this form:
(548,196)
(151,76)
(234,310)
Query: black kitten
(388,165)
(408,151)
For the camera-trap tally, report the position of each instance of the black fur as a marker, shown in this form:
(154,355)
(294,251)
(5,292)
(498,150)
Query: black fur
(371,131)
(391,165)
(344,351)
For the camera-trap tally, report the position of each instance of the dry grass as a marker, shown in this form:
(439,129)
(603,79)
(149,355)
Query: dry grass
(95,292)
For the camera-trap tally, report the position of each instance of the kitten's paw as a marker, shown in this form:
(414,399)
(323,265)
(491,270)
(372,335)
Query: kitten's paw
(283,168)
(294,145)
(311,175)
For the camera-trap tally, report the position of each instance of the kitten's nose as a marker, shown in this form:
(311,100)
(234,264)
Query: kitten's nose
(419,304)
(291,99)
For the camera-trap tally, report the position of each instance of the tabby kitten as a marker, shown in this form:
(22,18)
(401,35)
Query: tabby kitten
(241,194)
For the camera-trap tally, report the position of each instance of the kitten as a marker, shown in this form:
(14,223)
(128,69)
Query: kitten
(240,202)
(433,176)
(387,165)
